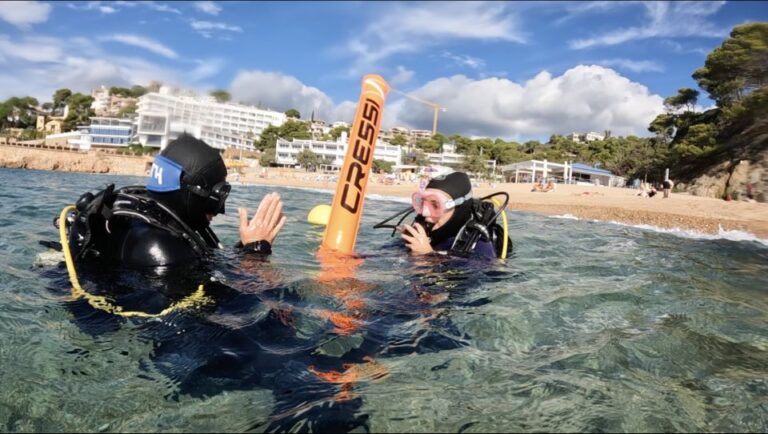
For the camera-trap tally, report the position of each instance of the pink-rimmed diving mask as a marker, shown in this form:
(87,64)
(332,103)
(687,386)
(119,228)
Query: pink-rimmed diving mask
(435,203)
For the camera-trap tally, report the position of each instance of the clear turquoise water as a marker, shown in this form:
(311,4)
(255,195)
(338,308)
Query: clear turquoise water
(589,327)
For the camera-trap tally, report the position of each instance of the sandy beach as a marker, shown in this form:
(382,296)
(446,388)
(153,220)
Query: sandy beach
(680,210)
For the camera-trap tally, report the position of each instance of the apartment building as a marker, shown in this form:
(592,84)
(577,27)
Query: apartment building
(165,115)
(585,137)
(107,105)
(449,157)
(333,152)
(103,132)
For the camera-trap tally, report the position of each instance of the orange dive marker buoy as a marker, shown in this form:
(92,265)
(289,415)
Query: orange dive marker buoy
(347,207)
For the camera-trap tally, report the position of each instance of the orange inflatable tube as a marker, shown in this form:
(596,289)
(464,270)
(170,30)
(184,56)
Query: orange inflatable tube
(347,207)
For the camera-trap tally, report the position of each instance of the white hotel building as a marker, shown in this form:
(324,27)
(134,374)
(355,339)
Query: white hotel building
(165,115)
(334,152)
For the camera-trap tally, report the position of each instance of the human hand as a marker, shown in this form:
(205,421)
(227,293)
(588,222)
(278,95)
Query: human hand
(416,239)
(266,223)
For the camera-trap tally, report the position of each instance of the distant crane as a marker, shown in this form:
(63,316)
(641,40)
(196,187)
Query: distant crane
(435,107)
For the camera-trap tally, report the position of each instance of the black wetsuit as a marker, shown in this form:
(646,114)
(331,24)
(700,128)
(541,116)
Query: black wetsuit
(135,244)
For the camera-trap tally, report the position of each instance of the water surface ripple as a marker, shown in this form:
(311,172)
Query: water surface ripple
(588,327)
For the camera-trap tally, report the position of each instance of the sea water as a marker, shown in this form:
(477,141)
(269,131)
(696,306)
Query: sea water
(588,326)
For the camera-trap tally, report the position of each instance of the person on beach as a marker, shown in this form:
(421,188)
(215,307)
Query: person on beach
(167,222)
(445,210)
(667,187)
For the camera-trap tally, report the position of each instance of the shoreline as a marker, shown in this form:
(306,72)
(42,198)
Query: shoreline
(622,205)
(607,204)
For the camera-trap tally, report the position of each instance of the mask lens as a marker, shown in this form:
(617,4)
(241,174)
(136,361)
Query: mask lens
(417,201)
(434,203)
(219,195)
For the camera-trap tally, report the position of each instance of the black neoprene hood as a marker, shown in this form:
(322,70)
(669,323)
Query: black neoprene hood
(202,165)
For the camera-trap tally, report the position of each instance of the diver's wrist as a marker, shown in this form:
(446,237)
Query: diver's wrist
(260,246)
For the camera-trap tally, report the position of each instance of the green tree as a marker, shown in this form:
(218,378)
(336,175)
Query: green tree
(415,157)
(294,130)
(532,146)
(268,157)
(383,166)
(60,98)
(428,145)
(664,127)
(268,138)
(137,91)
(440,140)
(293,113)
(308,159)
(335,132)
(79,111)
(127,110)
(474,163)
(738,66)
(686,97)
(18,112)
(120,91)
(399,140)
(220,95)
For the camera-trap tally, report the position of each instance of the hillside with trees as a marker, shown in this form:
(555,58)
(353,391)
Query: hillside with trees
(720,151)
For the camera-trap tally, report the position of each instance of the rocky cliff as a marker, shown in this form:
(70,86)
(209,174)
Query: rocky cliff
(14,157)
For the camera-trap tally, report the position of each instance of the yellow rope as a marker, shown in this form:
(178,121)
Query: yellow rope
(100,302)
(506,230)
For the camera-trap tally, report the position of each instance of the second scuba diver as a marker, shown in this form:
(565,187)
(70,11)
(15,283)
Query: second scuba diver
(450,221)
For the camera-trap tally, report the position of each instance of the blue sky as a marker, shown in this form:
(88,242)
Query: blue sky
(517,70)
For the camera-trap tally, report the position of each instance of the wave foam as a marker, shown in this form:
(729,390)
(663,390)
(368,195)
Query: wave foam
(565,217)
(722,234)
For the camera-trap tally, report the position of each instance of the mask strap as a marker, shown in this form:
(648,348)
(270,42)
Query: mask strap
(458,201)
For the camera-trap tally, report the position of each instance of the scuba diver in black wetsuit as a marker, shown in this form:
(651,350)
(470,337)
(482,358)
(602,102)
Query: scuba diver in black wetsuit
(141,251)
(450,221)
(166,223)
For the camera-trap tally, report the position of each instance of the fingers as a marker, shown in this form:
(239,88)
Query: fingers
(243,217)
(263,205)
(420,229)
(277,228)
(275,211)
(410,239)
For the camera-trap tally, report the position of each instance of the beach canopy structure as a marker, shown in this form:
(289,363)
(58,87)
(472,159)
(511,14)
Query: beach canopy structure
(567,172)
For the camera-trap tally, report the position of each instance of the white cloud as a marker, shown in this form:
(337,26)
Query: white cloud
(471,62)
(24,13)
(403,75)
(113,7)
(206,28)
(584,98)
(94,6)
(573,10)
(40,65)
(160,7)
(208,7)
(282,92)
(34,49)
(677,19)
(410,28)
(632,65)
(206,68)
(680,49)
(145,43)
